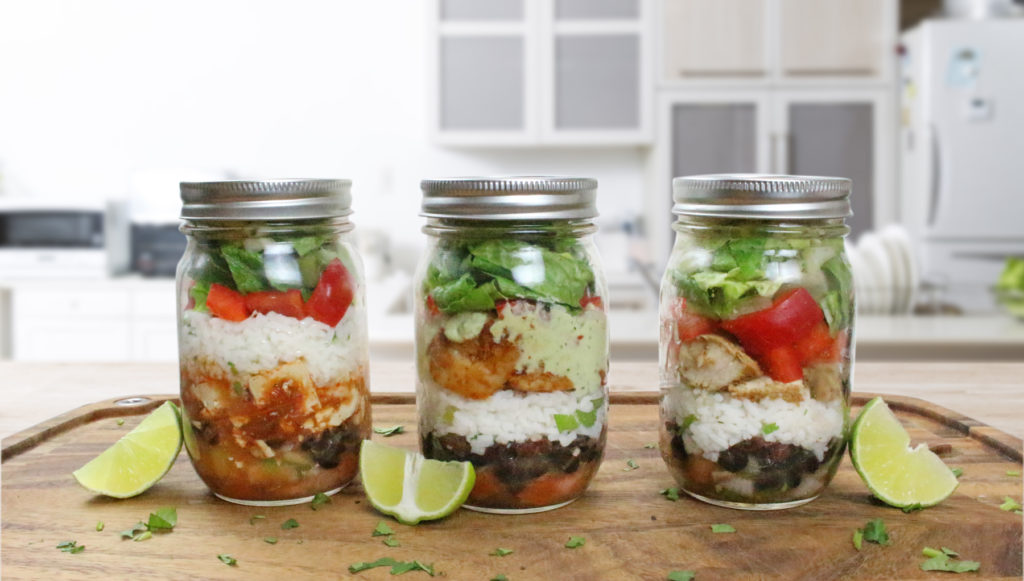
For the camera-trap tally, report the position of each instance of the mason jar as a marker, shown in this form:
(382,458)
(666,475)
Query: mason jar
(512,337)
(756,335)
(272,339)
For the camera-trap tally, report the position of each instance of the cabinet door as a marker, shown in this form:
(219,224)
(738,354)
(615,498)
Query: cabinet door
(597,9)
(597,82)
(833,37)
(714,38)
(482,83)
(845,134)
(481,10)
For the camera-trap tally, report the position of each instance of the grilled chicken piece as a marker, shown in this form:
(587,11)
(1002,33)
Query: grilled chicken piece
(823,381)
(539,381)
(475,368)
(712,363)
(765,388)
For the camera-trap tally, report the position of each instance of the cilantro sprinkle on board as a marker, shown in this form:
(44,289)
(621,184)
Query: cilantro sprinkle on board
(575,542)
(722,528)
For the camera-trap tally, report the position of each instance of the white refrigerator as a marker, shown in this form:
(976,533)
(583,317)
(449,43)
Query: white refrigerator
(962,152)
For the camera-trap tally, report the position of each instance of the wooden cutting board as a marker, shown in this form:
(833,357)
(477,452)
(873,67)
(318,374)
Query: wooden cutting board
(630,530)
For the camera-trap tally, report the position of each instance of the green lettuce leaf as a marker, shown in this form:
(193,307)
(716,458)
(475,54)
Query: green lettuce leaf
(246,268)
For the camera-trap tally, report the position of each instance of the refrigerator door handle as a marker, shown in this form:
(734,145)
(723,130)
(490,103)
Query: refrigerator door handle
(936,175)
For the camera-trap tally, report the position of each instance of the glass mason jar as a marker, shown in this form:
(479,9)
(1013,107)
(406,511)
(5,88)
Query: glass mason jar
(756,313)
(272,339)
(512,338)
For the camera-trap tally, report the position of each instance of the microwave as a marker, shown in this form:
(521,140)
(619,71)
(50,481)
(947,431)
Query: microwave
(44,239)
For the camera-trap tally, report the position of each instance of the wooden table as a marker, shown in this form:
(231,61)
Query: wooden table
(631,531)
(32,392)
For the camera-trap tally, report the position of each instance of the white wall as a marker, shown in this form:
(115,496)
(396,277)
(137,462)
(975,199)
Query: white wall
(96,95)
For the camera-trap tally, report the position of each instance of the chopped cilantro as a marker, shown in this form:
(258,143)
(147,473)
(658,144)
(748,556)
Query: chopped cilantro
(99,525)
(946,560)
(681,575)
(120,421)
(289,524)
(143,536)
(163,519)
(134,531)
(499,552)
(382,530)
(858,538)
(1009,504)
(722,528)
(958,472)
(874,532)
(687,422)
(397,567)
(650,446)
(912,508)
(499,577)
(70,547)
(575,542)
(256,517)
(392,542)
(1013,472)
(270,540)
(769,428)
(670,493)
(227,560)
(319,500)
(392,431)
(231,366)
(630,465)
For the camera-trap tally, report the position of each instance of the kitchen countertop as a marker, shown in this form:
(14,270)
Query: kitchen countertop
(30,393)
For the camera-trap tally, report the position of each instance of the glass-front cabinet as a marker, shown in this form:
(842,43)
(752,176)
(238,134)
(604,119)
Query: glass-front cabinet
(535,72)
(840,132)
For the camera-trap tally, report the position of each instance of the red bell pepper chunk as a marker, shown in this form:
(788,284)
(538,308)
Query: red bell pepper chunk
(792,314)
(817,345)
(589,299)
(288,303)
(690,325)
(333,294)
(782,364)
(226,304)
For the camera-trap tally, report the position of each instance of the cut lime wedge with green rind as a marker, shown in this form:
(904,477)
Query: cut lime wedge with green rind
(897,474)
(139,459)
(412,488)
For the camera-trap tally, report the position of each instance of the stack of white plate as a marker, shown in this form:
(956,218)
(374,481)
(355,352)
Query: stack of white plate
(885,272)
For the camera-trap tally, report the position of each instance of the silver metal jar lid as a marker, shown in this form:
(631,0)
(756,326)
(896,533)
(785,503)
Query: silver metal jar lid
(761,196)
(279,199)
(510,198)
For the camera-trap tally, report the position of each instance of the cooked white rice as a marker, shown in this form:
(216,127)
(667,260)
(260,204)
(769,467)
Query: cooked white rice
(507,416)
(723,421)
(263,342)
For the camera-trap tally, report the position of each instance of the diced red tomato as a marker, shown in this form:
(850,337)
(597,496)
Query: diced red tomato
(817,345)
(288,303)
(432,309)
(791,316)
(333,294)
(589,299)
(226,304)
(783,364)
(690,325)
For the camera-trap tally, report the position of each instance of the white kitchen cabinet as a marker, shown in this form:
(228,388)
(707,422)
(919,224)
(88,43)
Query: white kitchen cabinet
(537,72)
(777,41)
(714,38)
(109,320)
(838,132)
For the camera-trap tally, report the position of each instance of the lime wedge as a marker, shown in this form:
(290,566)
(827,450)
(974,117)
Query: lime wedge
(896,474)
(410,487)
(139,459)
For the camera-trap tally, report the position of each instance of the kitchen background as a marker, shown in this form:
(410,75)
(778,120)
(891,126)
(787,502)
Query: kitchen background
(106,105)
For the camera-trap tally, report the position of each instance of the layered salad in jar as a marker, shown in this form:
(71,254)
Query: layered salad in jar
(755,336)
(512,359)
(273,358)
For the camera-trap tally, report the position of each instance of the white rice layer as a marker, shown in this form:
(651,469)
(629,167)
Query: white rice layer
(263,342)
(509,416)
(721,421)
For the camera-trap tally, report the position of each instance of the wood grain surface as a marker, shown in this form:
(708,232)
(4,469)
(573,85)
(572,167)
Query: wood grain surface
(631,531)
